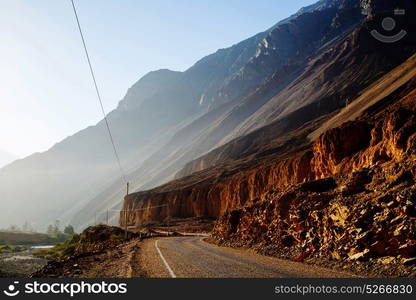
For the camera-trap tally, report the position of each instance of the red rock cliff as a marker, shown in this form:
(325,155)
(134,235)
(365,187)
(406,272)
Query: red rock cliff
(212,197)
(363,208)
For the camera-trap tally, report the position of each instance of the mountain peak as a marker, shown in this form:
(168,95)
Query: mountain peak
(371,8)
(147,86)
(6,158)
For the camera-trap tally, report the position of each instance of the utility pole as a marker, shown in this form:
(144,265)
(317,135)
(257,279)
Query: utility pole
(107,217)
(125,212)
(125,224)
(95,219)
(168,220)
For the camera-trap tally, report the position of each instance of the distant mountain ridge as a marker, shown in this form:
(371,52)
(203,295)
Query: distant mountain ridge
(229,103)
(336,132)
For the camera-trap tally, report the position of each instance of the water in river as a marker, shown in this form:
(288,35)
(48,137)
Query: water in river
(42,247)
(21,264)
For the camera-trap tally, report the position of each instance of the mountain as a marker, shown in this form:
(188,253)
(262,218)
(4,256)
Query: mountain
(331,125)
(281,51)
(6,158)
(317,157)
(227,115)
(79,172)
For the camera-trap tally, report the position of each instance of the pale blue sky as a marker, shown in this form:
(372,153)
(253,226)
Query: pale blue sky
(45,88)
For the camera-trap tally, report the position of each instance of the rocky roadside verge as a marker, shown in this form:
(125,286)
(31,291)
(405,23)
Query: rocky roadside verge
(98,252)
(350,222)
(187,225)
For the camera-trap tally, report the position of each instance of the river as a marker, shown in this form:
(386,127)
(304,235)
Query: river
(21,264)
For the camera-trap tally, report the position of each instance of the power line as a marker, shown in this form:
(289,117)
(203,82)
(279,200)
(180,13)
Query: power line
(98,94)
(139,209)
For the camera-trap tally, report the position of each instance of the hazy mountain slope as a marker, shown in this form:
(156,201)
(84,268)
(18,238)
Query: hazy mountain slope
(79,166)
(231,95)
(169,118)
(61,181)
(6,158)
(384,88)
(276,137)
(330,80)
(277,151)
(382,138)
(279,58)
(151,112)
(303,38)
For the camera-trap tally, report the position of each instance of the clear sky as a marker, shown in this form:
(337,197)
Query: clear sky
(45,88)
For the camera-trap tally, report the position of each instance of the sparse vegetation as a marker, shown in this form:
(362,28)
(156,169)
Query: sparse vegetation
(69,229)
(24,238)
(60,251)
(13,235)
(55,232)
(94,239)
(12,249)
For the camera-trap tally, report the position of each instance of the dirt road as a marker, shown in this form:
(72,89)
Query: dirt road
(191,257)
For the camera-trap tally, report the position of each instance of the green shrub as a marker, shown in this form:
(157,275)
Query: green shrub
(116,237)
(4,248)
(12,249)
(19,248)
(60,251)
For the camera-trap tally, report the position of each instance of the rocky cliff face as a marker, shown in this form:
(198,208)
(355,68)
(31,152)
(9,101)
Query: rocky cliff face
(271,149)
(350,196)
(327,84)
(364,207)
(389,139)
(6,158)
(220,96)
(324,168)
(210,199)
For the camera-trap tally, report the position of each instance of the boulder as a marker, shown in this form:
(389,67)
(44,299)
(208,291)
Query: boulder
(407,250)
(361,256)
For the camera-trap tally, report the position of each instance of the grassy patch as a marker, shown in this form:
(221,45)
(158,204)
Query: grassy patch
(12,249)
(60,251)
(94,239)
(116,237)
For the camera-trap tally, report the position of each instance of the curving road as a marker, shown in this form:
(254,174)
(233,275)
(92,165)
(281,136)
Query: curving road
(191,257)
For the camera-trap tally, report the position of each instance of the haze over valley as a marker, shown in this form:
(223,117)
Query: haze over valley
(297,142)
